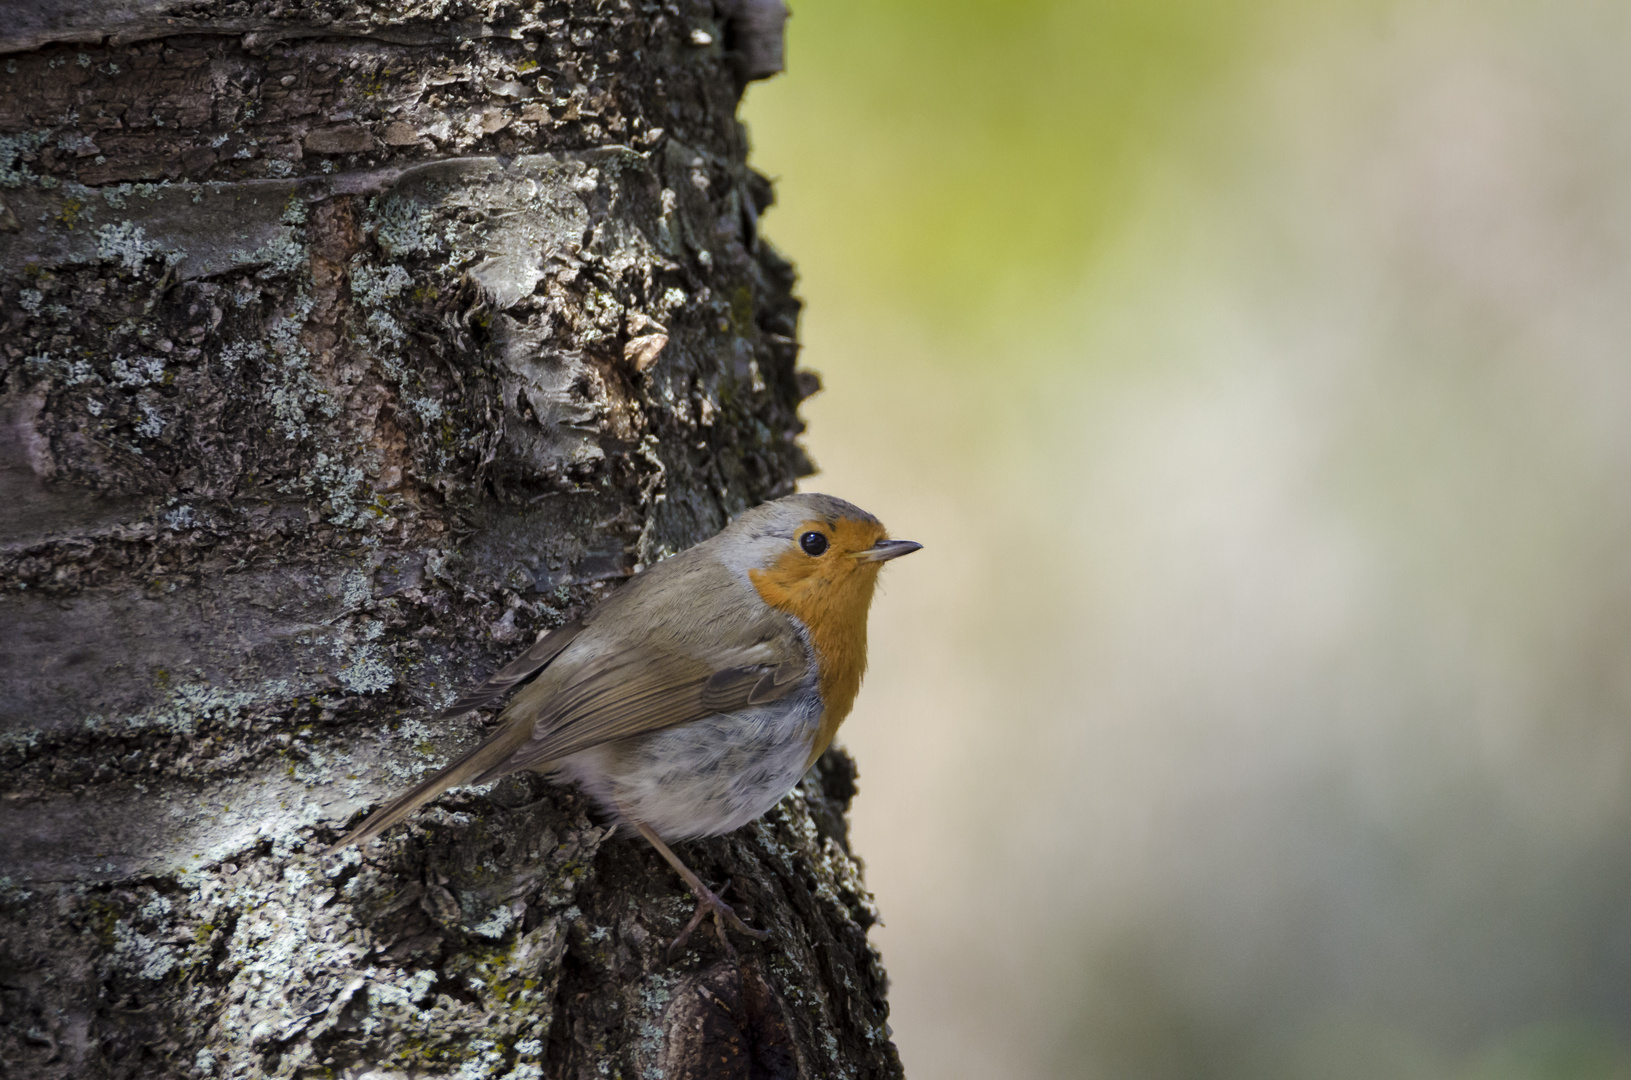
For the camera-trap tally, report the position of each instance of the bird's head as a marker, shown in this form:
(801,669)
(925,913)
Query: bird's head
(812,556)
(817,558)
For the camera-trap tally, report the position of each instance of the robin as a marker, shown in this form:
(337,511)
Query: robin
(695,697)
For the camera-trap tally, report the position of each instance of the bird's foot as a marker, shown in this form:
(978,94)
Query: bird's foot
(709,903)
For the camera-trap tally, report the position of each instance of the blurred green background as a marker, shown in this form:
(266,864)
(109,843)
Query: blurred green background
(1258,377)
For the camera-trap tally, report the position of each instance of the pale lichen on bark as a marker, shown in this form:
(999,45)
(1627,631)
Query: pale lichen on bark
(346,348)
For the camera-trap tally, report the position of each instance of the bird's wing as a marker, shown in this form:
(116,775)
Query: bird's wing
(518,670)
(592,683)
(646,687)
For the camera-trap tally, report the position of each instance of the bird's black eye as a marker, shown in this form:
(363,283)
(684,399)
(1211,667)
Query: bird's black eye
(813,543)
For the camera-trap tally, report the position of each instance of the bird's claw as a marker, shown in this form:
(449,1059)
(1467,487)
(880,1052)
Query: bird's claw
(709,903)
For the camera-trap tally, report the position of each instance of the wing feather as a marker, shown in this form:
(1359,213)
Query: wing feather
(518,670)
(640,689)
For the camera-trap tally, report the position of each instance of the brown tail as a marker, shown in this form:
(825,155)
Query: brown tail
(487,757)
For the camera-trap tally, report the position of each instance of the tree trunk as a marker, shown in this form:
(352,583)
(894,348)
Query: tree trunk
(347,347)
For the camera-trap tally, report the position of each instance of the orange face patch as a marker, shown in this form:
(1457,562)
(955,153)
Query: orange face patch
(830,594)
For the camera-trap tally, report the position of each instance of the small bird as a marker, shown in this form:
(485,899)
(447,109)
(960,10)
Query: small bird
(695,697)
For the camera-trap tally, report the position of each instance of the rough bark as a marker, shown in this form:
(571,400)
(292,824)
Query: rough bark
(346,347)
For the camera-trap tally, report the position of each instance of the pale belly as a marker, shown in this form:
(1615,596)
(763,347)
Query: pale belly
(706,777)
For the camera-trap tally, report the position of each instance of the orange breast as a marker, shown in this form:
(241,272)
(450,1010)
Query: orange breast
(830,597)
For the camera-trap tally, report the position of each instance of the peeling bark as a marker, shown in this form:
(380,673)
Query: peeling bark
(346,348)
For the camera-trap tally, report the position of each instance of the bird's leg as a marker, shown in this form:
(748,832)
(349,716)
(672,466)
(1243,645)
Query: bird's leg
(708,901)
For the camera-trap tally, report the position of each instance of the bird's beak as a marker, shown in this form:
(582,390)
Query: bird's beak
(884,550)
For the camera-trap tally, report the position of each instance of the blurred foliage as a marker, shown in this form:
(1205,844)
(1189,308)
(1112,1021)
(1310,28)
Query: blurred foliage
(964,159)
(1255,374)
